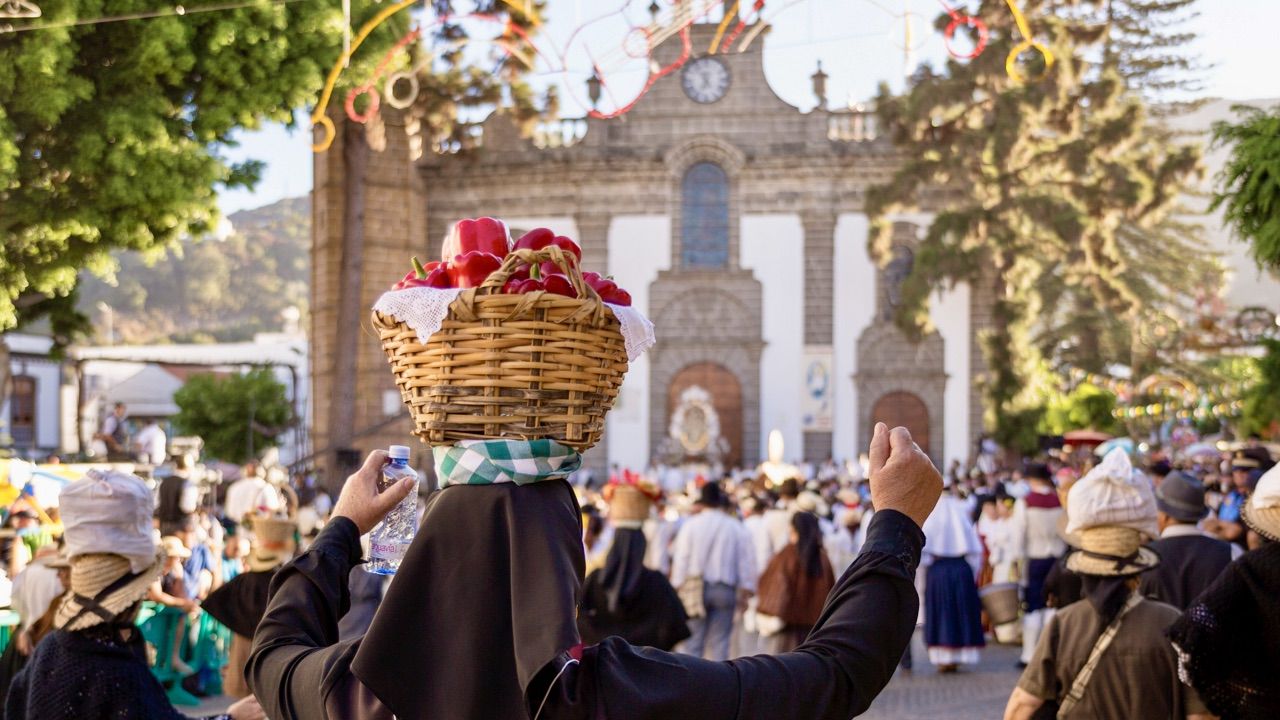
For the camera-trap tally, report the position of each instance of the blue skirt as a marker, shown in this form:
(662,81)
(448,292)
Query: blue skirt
(1037,572)
(952,610)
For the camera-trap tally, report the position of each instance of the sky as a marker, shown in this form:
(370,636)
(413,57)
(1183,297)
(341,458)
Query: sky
(859,42)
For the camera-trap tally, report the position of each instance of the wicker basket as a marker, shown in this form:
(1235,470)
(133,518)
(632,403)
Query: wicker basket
(529,366)
(629,504)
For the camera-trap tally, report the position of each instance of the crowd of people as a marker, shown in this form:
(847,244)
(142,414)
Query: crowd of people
(744,564)
(220,544)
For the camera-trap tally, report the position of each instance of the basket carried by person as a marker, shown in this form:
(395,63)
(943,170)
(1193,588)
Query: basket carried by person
(536,365)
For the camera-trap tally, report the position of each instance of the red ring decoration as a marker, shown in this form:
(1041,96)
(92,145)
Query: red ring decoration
(984,34)
(369,112)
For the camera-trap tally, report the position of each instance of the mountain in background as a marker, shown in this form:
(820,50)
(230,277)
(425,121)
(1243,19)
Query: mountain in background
(210,290)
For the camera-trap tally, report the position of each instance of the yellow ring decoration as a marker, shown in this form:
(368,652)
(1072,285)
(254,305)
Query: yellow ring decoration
(1011,62)
(329,133)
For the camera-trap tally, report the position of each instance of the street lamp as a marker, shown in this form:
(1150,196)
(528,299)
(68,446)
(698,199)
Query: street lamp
(593,88)
(820,86)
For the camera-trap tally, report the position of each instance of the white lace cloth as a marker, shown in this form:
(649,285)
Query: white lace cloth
(424,310)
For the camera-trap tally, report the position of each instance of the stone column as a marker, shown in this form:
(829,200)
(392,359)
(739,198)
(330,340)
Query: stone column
(593,236)
(819,303)
(387,228)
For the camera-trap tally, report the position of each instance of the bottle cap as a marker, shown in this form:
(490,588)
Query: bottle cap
(398,452)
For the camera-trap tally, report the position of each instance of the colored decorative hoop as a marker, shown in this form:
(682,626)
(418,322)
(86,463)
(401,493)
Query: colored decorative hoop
(976,24)
(1011,62)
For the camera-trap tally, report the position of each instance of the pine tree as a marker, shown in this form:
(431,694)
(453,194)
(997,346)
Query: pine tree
(1046,192)
(1249,190)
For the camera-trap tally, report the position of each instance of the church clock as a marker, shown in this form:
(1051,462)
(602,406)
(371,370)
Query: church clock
(705,80)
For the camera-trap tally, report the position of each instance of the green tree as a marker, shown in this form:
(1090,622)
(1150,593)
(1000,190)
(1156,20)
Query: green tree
(1249,190)
(1085,407)
(236,415)
(1036,187)
(1262,400)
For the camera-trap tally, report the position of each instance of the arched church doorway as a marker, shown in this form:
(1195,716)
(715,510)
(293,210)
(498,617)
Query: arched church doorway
(692,390)
(901,408)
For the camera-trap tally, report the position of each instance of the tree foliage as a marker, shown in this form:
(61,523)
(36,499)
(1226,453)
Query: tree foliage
(236,415)
(1085,407)
(1249,190)
(1262,400)
(111,134)
(1046,194)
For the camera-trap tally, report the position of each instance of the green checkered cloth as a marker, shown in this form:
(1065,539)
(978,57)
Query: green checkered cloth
(484,462)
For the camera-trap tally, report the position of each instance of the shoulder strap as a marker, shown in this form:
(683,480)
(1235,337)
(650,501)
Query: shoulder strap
(1086,673)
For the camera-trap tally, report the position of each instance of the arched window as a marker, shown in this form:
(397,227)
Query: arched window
(705,217)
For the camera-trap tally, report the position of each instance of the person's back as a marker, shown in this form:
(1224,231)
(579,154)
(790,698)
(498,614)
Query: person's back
(1189,564)
(1137,676)
(87,675)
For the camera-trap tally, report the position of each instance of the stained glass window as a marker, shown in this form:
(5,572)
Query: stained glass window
(705,217)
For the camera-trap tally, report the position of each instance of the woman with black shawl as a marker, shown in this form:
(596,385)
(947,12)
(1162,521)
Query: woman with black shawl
(1228,641)
(794,586)
(479,622)
(625,598)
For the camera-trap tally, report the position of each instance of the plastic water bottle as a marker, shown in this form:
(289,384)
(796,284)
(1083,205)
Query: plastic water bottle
(391,538)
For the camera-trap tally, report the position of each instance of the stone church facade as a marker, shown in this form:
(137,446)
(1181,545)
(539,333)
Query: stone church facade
(736,221)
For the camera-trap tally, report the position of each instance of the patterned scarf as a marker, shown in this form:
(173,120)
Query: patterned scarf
(484,462)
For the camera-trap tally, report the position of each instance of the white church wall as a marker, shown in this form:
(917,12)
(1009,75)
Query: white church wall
(854,297)
(639,247)
(949,313)
(772,247)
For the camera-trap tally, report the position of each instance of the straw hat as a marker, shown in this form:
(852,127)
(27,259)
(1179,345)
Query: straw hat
(94,573)
(1262,512)
(273,543)
(1111,512)
(113,555)
(811,502)
(173,547)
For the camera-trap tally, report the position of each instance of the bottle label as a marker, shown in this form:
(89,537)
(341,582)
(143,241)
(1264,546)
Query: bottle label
(388,549)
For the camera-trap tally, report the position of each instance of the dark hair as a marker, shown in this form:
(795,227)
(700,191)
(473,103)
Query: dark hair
(808,542)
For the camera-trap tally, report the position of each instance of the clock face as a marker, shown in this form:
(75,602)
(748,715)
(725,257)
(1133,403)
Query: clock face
(705,80)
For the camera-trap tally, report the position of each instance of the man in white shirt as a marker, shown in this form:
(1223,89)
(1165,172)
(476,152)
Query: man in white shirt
(1036,540)
(151,444)
(714,546)
(249,493)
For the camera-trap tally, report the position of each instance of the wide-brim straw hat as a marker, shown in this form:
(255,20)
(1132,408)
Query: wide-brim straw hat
(94,572)
(273,543)
(1262,512)
(1110,551)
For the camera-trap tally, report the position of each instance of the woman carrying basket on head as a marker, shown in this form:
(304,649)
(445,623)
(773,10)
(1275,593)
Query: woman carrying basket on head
(480,622)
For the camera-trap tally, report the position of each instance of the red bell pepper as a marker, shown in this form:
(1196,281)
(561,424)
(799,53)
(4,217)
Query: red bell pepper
(607,289)
(538,238)
(470,269)
(485,234)
(556,284)
(439,277)
(418,276)
(559,285)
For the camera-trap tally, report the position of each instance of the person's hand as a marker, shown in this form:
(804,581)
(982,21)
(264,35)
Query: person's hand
(744,597)
(360,501)
(191,607)
(902,476)
(246,709)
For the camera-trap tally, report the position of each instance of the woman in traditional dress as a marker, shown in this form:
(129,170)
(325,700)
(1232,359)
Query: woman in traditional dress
(952,609)
(625,598)
(795,585)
